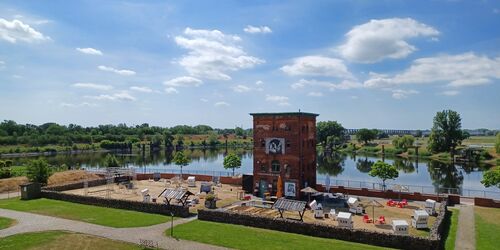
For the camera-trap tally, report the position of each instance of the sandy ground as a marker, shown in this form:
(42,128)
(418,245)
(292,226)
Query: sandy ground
(390,213)
(226,194)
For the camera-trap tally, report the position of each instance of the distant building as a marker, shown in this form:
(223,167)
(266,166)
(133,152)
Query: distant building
(284,145)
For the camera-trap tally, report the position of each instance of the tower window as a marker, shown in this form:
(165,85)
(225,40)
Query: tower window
(275,166)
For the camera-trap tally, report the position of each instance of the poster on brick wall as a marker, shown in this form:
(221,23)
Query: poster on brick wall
(290,189)
(275,146)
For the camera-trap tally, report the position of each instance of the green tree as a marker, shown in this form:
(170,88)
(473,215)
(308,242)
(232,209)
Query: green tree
(446,133)
(169,140)
(491,178)
(232,161)
(38,171)
(403,142)
(330,134)
(111,162)
(384,171)
(365,135)
(181,160)
(212,140)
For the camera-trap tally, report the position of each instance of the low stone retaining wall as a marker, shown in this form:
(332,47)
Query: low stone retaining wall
(153,208)
(485,202)
(75,185)
(388,194)
(328,231)
(223,179)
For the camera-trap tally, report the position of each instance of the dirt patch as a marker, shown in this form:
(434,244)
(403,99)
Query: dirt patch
(11,184)
(71,176)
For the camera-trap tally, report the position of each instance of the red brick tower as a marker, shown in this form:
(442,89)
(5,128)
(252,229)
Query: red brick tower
(284,145)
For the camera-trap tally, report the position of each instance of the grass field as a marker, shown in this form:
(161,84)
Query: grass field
(452,230)
(241,237)
(487,227)
(92,214)
(6,222)
(58,240)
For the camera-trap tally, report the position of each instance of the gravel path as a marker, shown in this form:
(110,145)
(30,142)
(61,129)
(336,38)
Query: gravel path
(466,232)
(28,222)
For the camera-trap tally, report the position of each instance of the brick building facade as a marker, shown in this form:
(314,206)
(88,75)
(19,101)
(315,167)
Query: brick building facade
(284,145)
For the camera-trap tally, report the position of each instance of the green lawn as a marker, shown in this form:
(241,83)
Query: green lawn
(92,214)
(452,230)
(242,237)
(487,227)
(6,222)
(58,240)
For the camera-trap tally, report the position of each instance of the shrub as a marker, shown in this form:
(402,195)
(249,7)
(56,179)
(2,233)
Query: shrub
(38,171)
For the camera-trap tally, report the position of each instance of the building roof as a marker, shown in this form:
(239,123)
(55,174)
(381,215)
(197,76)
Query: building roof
(344,215)
(399,223)
(421,213)
(285,114)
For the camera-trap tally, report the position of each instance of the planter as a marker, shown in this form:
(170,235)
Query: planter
(211,204)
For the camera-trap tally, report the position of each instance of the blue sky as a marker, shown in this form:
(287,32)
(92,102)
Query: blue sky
(376,64)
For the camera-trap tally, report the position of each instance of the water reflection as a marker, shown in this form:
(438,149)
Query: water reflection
(331,164)
(364,165)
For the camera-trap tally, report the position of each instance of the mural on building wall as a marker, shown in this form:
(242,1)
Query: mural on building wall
(275,146)
(290,189)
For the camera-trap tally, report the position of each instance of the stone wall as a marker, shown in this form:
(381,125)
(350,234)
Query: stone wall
(485,202)
(223,179)
(328,231)
(75,185)
(153,208)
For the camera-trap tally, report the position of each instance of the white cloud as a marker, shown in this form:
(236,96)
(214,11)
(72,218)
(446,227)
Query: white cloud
(317,66)
(377,40)
(450,92)
(73,105)
(141,89)
(119,96)
(315,94)
(221,104)
(460,70)
(2,64)
(15,30)
(95,86)
(213,54)
(123,72)
(343,85)
(354,97)
(90,51)
(171,90)
(184,81)
(280,100)
(203,100)
(259,82)
(254,30)
(402,94)
(240,88)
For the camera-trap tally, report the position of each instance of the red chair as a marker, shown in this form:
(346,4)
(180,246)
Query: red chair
(405,202)
(367,219)
(381,220)
(391,203)
(400,205)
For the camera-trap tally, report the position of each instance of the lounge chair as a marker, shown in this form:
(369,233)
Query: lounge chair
(381,220)
(367,219)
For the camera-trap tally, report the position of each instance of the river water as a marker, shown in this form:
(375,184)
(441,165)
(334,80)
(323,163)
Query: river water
(347,170)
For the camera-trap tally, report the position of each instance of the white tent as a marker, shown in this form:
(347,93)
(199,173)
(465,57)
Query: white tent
(420,219)
(344,220)
(400,227)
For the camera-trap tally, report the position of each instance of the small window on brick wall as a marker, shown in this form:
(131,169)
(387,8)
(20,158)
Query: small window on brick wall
(275,166)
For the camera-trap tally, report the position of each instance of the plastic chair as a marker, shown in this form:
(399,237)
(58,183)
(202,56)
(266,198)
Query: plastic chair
(381,220)
(405,202)
(390,203)
(366,219)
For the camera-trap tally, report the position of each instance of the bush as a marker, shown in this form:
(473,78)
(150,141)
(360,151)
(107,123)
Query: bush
(38,171)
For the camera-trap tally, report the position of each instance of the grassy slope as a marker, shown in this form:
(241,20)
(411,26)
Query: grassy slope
(452,231)
(6,222)
(487,227)
(56,240)
(241,237)
(92,214)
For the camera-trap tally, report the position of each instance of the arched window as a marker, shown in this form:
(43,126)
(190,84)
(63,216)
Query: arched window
(275,166)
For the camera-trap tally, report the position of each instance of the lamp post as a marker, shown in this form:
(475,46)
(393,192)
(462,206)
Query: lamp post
(172,225)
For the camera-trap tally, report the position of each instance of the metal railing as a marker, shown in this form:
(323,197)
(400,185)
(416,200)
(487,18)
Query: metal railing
(414,188)
(175,171)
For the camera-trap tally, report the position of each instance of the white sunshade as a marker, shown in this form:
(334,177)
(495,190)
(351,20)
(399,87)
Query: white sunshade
(352,200)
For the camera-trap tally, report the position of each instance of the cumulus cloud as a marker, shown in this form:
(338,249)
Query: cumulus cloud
(203,99)
(90,51)
(402,94)
(315,94)
(85,85)
(118,96)
(15,30)
(460,70)
(123,72)
(377,40)
(141,89)
(76,105)
(255,30)
(259,82)
(221,104)
(450,92)
(280,100)
(184,81)
(171,90)
(317,66)
(343,85)
(240,88)
(213,54)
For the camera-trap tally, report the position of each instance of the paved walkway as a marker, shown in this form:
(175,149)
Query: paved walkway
(28,222)
(466,233)
(9,195)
